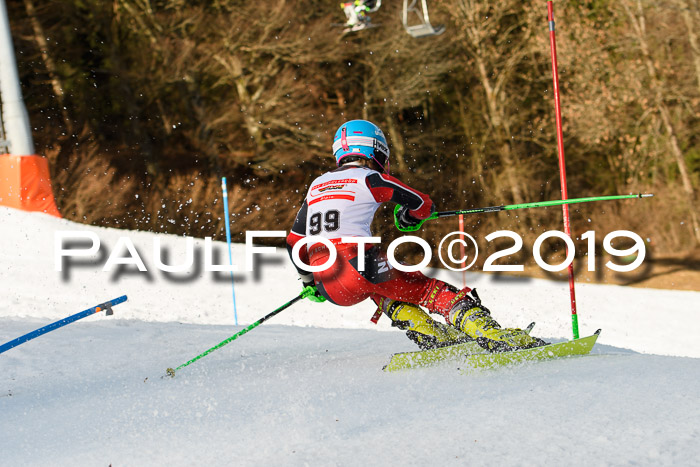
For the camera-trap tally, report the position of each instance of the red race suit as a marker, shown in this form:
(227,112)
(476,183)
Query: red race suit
(342,203)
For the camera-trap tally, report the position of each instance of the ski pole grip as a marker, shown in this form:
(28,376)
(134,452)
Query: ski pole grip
(307,291)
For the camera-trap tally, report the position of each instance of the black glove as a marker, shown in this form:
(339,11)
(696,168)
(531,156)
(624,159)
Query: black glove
(405,219)
(307,279)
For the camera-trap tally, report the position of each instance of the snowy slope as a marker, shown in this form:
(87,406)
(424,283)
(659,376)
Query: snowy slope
(307,386)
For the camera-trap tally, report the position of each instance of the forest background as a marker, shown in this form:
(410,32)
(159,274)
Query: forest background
(142,106)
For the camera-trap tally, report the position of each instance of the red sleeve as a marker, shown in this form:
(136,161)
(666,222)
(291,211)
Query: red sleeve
(387,188)
(292,239)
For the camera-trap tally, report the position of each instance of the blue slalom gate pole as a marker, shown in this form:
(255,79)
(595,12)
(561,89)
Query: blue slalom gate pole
(58,324)
(228,242)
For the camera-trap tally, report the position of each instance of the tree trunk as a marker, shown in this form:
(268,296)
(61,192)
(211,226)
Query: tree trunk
(691,18)
(639,27)
(42,44)
(477,154)
(398,148)
(496,119)
(247,101)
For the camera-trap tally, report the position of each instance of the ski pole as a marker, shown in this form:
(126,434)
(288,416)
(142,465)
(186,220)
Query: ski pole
(510,207)
(171,371)
(60,323)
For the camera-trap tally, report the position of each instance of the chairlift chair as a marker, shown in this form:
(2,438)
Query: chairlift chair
(376,6)
(423,28)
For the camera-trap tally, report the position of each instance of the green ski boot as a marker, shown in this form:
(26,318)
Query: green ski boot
(420,327)
(475,320)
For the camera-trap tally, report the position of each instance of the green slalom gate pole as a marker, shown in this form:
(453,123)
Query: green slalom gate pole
(510,207)
(171,371)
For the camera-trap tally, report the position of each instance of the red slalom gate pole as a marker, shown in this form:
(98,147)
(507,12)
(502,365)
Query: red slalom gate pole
(562,165)
(461,249)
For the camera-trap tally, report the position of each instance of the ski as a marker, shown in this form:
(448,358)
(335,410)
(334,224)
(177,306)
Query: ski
(425,358)
(359,27)
(571,348)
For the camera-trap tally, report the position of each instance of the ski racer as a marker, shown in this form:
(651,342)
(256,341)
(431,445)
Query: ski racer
(342,203)
(356,13)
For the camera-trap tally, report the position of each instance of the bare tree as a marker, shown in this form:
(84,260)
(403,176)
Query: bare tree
(690,12)
(270,65)
(399,74)
(635,14)
(496,39)
(40,38)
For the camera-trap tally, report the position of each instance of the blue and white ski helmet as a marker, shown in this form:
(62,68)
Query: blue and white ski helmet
(361,138)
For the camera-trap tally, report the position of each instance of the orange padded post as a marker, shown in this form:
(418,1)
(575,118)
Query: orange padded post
(25,184)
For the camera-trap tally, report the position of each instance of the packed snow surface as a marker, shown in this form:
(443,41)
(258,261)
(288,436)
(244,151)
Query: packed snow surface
(307,387)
